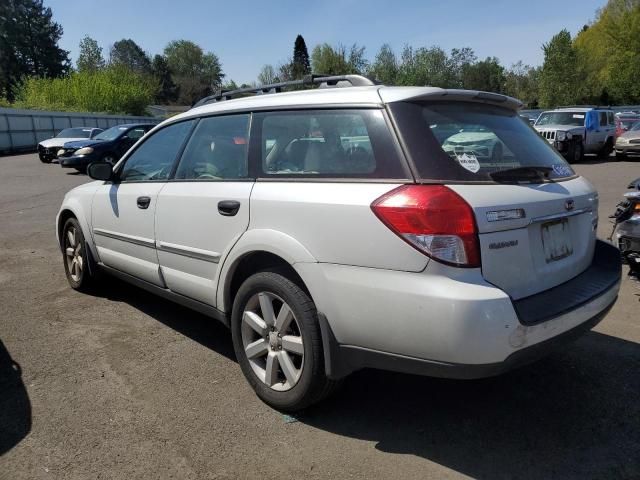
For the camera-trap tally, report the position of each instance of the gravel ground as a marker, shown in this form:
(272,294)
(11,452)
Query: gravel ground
(126,385)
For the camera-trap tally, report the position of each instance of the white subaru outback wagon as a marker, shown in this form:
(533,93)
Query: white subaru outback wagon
(331,231)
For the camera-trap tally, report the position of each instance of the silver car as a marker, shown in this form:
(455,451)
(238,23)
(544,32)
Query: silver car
(629,142)
(352,226)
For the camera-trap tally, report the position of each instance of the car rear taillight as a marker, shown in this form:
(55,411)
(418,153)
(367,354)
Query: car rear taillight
(433,219)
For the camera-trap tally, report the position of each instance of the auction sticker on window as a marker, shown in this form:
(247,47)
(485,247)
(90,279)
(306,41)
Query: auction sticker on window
(562,170)
(469,161)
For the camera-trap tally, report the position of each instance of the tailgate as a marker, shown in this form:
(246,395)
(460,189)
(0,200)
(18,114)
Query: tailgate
(534,237)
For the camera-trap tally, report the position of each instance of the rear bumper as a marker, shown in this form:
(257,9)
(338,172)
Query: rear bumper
(450,323)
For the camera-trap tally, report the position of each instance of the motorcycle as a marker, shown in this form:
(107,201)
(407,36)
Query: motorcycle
(626,229)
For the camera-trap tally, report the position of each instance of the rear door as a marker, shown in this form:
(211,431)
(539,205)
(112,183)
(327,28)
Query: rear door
(536,219)
(204,209)
(123,212)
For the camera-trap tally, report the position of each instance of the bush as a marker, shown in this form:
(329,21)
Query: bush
(114,89)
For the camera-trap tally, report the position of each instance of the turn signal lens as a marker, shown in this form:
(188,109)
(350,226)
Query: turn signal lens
(433,219)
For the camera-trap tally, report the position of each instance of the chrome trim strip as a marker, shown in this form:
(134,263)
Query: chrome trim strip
(197,253)
(143,242)
(558,216)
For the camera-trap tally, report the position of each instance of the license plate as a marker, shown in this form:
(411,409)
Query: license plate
(556,240)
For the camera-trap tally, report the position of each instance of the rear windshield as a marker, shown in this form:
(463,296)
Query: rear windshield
(575,119)
(75,133)
(467,141)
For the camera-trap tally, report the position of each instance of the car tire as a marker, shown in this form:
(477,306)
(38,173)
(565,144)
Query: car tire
(82,169)
(621,156)
(44,159)
(277,341)
(606,150)
(576,154)
(79,266)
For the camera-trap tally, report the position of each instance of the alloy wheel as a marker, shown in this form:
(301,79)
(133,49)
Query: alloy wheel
(272,341)
(73,254)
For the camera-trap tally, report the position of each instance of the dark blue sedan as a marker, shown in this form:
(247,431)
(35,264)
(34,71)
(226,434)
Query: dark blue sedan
(107,146)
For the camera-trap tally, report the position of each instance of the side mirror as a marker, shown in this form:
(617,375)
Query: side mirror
(100,171)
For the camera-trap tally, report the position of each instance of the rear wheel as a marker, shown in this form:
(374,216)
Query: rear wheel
(276,337)
(79,265)
(606,149)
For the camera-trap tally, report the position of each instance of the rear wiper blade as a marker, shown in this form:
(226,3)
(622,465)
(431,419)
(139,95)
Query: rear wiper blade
(522,174)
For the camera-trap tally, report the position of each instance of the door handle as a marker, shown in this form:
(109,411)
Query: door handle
(228,208)
(143,202)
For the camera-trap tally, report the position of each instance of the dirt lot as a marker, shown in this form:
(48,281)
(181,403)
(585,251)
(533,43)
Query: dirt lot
(126,385)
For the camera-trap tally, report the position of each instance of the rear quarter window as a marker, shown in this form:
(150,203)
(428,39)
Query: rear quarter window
(327,144)
(467,142)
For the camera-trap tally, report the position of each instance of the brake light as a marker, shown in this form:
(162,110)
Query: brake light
(433,219)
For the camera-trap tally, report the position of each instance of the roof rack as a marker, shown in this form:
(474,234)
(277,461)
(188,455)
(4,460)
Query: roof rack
(584,106)
(313,79)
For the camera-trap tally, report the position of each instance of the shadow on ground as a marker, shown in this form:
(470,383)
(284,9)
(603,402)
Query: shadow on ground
(575,414)
(572,415)
(15,407)
(200,328)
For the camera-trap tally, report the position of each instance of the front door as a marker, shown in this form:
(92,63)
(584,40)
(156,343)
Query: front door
(123,211)
(204,209)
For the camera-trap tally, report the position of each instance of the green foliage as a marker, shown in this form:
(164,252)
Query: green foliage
(486,75)
(559,76)
(521,81)
(128,53)
(326,59)
(197,73)
(90,57)
(385,66)
(114,89)
(167,89)
(300,66)
(28,44)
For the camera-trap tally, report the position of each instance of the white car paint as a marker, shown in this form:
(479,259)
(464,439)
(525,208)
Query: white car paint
(376,290)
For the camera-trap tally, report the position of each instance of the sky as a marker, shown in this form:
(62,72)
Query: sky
(249,34)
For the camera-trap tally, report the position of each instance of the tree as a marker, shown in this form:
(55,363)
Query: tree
(385,66)
(128,53)
(167,89)
(459,60)
(559,75)
(197,73)
(300,66)
(90,57)
(326,59)
(28,44)
(521,82)
(486,75)
(425,66)
(267,75)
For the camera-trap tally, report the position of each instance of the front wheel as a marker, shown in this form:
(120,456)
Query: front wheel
(43,158)
(277,341)
(576,153)
(79,266)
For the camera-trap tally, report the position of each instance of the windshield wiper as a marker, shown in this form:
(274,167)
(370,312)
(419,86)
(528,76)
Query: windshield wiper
(522,174)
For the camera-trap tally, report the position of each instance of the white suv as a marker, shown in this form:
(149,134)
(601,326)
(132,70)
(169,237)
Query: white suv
(331,231)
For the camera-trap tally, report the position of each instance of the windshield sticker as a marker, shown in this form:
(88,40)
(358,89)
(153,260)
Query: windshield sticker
(578,115)
(562,170)
(469,161)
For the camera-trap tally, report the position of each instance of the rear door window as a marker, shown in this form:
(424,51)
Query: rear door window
(328,143)
(465,141)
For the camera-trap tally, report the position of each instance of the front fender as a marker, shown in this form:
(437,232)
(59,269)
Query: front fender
(83,215)
(259,240)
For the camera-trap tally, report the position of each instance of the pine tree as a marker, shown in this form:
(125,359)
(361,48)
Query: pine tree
(28,44)
(300,65)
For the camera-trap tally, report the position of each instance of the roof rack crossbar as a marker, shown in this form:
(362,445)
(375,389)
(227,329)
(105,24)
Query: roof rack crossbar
(312,79)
